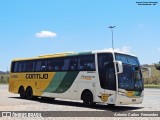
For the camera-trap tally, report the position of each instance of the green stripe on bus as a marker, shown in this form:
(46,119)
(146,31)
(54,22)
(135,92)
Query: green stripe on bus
(81,53)
(85,53)
(66,82)
(55,82)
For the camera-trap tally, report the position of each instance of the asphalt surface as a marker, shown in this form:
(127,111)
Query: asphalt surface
(12,102)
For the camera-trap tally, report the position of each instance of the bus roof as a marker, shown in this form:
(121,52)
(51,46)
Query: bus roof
(63,54)
(113,51)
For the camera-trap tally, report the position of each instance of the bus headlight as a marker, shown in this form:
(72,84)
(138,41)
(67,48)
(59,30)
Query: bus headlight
(122,93)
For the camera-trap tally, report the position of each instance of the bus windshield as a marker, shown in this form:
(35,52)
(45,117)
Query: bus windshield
(131,78)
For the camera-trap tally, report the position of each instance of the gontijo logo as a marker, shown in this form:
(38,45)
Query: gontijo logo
(36,76)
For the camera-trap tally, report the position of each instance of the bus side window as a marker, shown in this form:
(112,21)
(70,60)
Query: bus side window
(50,66)
(14,67)
(86,63)
(66,64)
(21,66)
(73,63)
(53,64)
(30,66)
(69,63)
(38,66)
(41,65)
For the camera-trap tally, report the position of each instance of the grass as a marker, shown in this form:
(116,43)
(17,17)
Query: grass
(151,86)
(4,78)
(154,71)
(154,80)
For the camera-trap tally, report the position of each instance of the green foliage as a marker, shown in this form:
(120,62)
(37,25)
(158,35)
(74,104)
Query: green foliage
(4,78)
(151,86)
(157,66)
(154,80)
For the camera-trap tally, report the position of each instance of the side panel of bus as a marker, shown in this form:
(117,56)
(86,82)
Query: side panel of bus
(33,80)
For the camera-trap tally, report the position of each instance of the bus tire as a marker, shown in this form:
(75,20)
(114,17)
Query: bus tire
(87,98)
(111,105)
(29,93)
(22,92)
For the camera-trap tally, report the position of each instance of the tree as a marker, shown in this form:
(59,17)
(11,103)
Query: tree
(157,66)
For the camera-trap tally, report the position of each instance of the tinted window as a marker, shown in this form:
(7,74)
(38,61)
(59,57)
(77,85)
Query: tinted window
(72,63)
(41,65)
(86,63)
(126,59)
(106,71)
(69,63)
(30,65)
(14,67)
(21,66)
(53,65)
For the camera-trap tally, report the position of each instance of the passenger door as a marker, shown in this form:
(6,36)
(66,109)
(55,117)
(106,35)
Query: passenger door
(106,72)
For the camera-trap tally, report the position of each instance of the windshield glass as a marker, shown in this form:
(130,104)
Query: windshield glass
(126,59)
(131,78)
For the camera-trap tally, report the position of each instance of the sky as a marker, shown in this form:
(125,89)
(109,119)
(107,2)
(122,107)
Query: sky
(36,27)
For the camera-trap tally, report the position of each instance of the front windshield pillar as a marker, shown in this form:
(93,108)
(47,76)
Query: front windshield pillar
(115,66)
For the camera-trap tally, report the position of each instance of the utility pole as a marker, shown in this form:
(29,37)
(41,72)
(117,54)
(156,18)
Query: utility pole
(111,27)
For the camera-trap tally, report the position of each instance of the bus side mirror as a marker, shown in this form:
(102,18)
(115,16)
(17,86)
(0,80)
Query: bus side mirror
(119,66)
(144,69)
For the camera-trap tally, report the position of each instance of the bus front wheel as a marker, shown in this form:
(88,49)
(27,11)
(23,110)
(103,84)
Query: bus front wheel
(29,93)
(88,99)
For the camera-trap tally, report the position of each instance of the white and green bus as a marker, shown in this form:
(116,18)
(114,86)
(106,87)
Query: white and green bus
(108,77)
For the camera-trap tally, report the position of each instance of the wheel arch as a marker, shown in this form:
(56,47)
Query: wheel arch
(86,90)
(29,87)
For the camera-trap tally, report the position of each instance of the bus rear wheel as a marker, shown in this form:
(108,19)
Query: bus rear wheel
(22,93)
(88,99)
(29,93)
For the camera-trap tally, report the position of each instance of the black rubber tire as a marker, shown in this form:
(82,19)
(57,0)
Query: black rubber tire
(29,93)
(88,99)
(111,105)
(22,93)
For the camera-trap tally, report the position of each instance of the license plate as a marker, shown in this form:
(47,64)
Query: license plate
(133,100)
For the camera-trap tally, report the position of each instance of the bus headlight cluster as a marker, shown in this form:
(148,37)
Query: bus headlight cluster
(122,93)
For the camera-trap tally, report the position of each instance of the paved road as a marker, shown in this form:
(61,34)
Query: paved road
(12,102)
